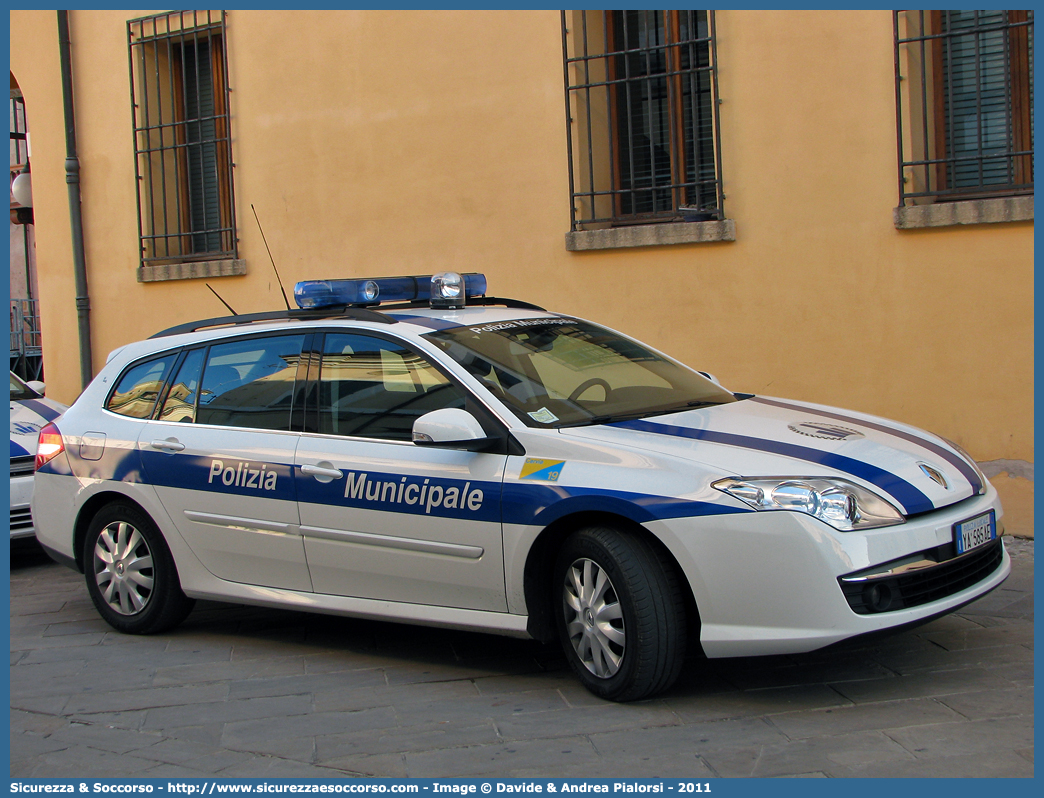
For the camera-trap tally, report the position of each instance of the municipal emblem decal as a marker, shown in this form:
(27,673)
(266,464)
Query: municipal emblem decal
(547,470)
(24,428)
(933,473)
(830,432)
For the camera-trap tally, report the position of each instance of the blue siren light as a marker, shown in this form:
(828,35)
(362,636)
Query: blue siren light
(311,294)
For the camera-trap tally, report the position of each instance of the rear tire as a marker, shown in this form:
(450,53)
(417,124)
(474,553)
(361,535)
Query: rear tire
(620,613)
(131,576)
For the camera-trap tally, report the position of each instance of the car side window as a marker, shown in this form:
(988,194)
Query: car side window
(250,383)
(136,392)
(373,388)
(180,404)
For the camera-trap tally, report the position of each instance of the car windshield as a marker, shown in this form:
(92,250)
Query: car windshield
(19,390)
(558,372)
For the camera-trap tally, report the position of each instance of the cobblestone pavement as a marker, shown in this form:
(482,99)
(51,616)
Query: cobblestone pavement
(239,692)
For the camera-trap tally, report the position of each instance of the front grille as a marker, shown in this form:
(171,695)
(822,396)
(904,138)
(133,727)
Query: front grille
(912,589)
(22,466)
(21,520)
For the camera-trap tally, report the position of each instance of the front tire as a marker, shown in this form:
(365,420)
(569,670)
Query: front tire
(620,613)
(131,576)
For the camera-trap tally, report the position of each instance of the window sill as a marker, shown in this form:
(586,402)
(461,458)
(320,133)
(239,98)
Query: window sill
(950,214)
(652,235)
(191,271)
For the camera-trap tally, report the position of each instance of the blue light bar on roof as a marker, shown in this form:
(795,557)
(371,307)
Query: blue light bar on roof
(311,294)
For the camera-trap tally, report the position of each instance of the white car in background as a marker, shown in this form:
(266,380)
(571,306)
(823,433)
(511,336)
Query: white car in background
(30,411)
(397,451)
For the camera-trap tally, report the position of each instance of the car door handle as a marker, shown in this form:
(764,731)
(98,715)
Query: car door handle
(322,473)
(169,445)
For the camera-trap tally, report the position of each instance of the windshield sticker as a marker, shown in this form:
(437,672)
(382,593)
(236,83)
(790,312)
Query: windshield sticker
(535,468)
(519,324)
(544,416)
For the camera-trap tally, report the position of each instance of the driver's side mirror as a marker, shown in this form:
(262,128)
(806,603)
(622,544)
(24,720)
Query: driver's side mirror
(452,428)
(37,386)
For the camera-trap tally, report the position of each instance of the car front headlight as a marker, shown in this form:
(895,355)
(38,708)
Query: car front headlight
(842,504)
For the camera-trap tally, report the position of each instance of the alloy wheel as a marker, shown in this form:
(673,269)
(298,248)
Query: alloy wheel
(123,568)
(593,618)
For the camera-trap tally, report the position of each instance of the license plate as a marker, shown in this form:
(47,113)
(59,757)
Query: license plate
(975,532)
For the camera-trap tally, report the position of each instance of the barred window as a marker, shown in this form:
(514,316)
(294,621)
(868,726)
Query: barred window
(181,137)
(644,143)
(964,91)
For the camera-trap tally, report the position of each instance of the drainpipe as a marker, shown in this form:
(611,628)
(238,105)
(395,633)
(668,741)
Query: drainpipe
(72,178)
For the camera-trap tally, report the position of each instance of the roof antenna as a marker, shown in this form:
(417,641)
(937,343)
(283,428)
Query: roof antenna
(278,279)
(223,302)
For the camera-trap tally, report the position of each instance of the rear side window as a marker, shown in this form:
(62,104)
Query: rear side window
(137,389)
(373,388)
(250,383)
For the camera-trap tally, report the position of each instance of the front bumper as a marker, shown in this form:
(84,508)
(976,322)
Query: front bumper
(768,582)
(21,516)
(902,584)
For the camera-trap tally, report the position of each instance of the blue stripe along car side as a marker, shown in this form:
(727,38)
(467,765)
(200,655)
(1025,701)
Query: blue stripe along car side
(57,465)
(543,504)
(196,472)
(17,450)
(950,457)
(906,494)
(352,489)
(115,465)
(522,503)
(41,409)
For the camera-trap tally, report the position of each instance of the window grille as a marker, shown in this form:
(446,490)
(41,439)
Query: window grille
(24,320)
(26,344)
(19,160)
(964,104)
(182,140)
(19,144)
(641,99)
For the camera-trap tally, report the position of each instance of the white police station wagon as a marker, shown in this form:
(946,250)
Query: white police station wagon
(30,411)
(484,464)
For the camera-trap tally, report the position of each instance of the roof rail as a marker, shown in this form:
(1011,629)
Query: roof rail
(473,301)
(340,312)
(353,312)
(504,301)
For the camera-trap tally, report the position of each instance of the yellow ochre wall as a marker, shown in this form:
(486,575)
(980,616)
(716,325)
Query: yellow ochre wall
(407,142)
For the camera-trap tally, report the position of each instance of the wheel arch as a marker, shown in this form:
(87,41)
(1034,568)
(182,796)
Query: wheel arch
(537,574)
(90,509)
